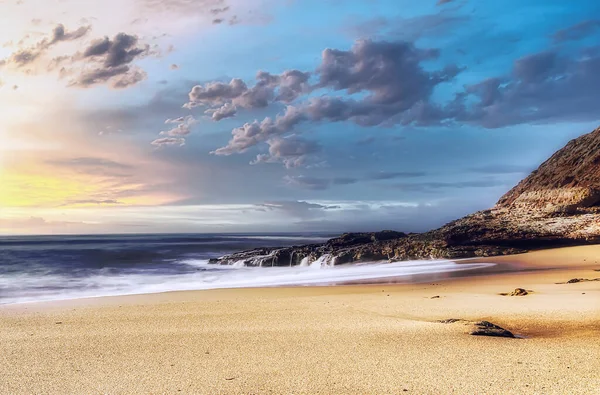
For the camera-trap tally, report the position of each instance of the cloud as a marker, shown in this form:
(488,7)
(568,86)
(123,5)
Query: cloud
(409,29)
(26,56)
(285,87)
(291,151)
(577,31)
(303,182)
(386,175)
(436,186)
(111,60)
(60,34)
(92,201)
(318,183)
(298,209)
(183,128)
(161,142)
(542,87)
(394,86)
(103,60)
(227,110)
(118,77)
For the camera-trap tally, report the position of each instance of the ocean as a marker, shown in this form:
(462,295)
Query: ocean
(44,268)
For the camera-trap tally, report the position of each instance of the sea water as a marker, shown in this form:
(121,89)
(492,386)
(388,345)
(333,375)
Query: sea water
(41,268)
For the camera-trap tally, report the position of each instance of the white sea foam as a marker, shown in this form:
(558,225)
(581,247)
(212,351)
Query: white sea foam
(217,276)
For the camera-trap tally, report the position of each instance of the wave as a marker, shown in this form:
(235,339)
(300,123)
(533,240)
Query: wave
(33,287)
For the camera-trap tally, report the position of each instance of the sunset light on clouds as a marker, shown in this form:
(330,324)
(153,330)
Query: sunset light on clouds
(264,115)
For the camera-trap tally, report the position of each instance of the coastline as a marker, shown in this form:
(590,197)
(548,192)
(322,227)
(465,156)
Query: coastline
(366,338)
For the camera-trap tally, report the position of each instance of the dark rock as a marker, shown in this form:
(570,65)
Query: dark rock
(486,328)
(450,321)
(435,297)
(580,280)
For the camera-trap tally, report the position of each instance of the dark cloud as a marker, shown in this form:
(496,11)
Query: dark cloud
(27,56)
(119,51)
(578,31)
(119,77)
(390,72)
(60,34)
(344,181)
(543,87)
(442,2)
(389,75)
(110,61)
(217,11)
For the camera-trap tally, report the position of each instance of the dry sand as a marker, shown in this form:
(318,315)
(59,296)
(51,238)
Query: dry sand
(365,339)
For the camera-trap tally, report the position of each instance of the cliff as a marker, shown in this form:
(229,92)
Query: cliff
(556,205)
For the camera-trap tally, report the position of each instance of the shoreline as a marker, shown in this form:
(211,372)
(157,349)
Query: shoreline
(368,278)
(375,338)
(505,264)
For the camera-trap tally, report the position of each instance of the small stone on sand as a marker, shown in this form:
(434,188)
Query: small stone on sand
(486,328)
(517,292)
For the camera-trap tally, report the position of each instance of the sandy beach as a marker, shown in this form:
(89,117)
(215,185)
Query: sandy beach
(354,339)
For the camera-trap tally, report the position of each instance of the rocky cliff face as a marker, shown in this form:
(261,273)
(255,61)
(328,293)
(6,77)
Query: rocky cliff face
(567,182)
(558,204)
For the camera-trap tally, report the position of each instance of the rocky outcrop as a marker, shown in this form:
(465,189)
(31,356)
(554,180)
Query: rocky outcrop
(557,205)
(568,182)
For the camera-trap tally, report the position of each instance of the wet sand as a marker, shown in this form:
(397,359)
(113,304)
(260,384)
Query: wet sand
(360,339)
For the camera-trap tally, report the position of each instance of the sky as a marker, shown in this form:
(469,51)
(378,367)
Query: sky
(152,116)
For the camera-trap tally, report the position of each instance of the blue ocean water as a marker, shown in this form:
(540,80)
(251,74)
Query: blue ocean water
(39,268)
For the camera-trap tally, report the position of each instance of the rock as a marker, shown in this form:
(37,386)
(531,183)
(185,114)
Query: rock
(567,182)
(580,280)
(556,205)
(486,328)
(435,297)
(517,292)
(450,321)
